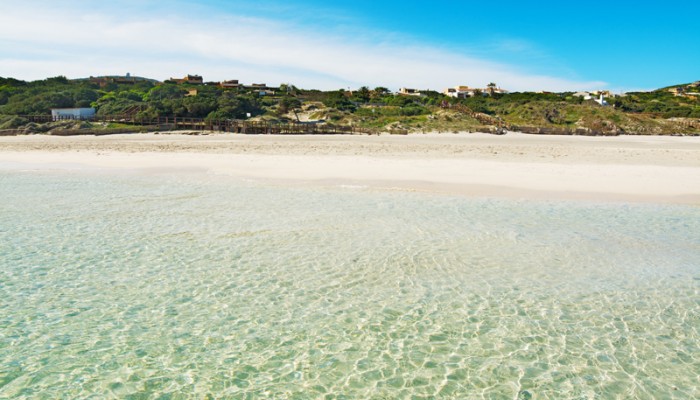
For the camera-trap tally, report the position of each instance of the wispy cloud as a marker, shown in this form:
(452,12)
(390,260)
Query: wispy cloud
(75,40)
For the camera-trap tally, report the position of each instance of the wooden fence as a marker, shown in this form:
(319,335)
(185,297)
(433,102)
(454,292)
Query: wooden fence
(228,125)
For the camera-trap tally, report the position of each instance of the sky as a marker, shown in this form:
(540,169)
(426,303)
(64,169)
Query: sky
(519,45)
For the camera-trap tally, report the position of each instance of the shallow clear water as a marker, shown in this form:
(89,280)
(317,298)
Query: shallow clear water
(193,286)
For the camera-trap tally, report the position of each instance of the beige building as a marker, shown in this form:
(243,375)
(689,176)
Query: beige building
(191,79)
(462,92)
(232,84)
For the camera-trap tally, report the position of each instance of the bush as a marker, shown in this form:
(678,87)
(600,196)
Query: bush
(678,112)
(338,101)
(414,110)
(399,101)
(165,91)
(288,103)
(12,122)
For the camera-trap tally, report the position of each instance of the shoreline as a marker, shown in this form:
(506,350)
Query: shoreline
(627,169)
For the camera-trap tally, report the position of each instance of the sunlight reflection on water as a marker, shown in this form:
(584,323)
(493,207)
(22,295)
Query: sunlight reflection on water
(119,286)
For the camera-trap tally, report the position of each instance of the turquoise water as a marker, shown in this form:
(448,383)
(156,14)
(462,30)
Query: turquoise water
(131,286)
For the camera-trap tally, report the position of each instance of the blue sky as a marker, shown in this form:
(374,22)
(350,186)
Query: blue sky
(521,45)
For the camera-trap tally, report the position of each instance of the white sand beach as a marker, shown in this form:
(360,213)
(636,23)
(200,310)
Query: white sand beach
(624,168)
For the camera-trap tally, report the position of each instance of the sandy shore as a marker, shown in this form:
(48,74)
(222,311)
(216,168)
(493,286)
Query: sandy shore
(624,168)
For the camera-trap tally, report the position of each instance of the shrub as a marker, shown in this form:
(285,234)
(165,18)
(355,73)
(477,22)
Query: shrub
(12,122)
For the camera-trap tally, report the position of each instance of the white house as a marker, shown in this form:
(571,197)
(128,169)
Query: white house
(459,92)
(495,90)
(410,92)
(601,100)
(72,113)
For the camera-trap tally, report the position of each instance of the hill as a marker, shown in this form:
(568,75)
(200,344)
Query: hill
(672,110)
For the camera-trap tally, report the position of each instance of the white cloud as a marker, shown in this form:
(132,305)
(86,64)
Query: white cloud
(68,39)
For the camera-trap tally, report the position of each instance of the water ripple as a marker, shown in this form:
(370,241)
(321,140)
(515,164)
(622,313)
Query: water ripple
(137,287)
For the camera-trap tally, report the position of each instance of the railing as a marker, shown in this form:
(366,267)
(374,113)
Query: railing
(227,125)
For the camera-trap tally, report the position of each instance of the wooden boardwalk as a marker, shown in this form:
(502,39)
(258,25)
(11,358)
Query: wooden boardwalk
(228,125)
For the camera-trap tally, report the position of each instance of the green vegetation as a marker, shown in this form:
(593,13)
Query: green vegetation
(664,103)
(657,112)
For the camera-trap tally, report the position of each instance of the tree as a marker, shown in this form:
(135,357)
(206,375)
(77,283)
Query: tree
(337,99)
(288,103)
(165,91)
(288,88)
(231,105)
(362,94)
(379,92)
(57,80)
(400,101)
(85,94)
(130,95)
(199,107)
(491,88)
